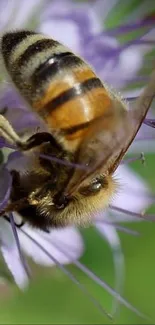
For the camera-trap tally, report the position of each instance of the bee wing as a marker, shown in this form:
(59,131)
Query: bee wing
(109,137)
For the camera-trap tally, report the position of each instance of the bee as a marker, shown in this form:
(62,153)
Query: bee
(85,124)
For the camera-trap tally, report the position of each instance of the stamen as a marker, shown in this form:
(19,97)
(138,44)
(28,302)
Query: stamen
(111,236)
(18,154)
(131,98)
(27,271)
(142,42)
(145,217)
(140,157)
(70,276)
(149,122)
(126,230)
(63,162)
(136,41)
(120,227)
(126,28)
(97,279)
(145,138)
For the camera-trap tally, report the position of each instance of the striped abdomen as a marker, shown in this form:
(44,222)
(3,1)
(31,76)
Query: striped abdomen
(59,85)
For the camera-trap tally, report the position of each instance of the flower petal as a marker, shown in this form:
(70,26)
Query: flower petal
(10,253)
(133,195)
(18,13)
(110,234)
(54,28)
(69,236)
(77,21)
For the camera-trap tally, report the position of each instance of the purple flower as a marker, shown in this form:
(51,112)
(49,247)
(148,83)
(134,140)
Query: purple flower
(69,237)
(79,26)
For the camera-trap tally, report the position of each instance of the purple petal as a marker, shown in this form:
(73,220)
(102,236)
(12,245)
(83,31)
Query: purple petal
(110,234)
(19,115)
(69,236)
(55,261)
(2,143)
(11,255)
(130,184)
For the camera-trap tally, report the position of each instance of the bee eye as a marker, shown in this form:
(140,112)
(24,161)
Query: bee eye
(93,188)
(96,185)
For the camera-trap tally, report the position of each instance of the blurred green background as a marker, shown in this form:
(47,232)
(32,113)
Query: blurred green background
(53,299)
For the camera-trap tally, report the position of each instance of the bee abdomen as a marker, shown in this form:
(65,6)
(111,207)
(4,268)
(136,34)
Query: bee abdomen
(48,71)
(59,85)
(32,60)
(66,96)
(10,41)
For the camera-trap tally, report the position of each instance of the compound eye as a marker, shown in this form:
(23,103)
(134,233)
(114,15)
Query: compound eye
(93,188)
(96,185)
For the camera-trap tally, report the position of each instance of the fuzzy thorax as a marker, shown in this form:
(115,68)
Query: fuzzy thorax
(80,209)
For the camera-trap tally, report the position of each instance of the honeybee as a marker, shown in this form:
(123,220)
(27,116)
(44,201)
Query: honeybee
(85,124)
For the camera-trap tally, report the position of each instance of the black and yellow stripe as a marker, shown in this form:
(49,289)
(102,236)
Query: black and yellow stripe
(51,67)
(53,79)
(33,49)
(10,41)
(78,90)
(34,60)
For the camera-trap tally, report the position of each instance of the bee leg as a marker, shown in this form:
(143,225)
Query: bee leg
(15,178)
(7,131)
(15,206)
(10,135)
(21,205)
(38,139)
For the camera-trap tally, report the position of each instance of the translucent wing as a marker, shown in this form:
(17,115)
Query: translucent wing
(109,137)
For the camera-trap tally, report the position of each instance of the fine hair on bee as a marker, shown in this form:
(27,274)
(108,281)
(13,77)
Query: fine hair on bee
(84,123)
